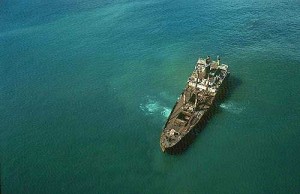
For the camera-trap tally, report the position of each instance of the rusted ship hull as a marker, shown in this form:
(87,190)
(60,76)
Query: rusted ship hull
(183,144)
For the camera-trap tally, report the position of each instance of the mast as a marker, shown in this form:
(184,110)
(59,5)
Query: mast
(218,60)
(198,79)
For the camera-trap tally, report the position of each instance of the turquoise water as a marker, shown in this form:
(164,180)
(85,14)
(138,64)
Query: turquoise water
(86,87)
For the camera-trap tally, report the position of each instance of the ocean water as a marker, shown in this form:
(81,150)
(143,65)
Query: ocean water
(87,85)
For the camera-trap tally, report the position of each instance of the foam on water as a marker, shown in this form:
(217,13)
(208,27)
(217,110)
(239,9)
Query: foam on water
(166,112)
(154,107)
(232,107)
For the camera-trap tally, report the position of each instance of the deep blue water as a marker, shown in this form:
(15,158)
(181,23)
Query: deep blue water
(86,86)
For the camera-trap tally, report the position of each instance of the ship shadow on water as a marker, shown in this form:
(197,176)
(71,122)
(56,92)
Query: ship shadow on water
(233,83)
